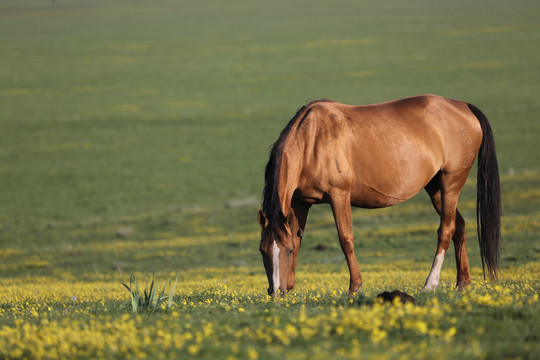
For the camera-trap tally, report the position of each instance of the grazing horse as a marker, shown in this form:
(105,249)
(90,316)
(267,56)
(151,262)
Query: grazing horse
(374,156)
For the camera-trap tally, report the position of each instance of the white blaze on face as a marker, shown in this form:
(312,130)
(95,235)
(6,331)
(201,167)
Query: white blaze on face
(432,280)
(275,266)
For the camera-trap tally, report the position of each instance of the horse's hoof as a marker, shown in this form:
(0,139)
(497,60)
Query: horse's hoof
(461,285)
(353,289)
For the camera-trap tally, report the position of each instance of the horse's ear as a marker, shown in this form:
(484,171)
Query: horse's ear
(300,233)
(263,221)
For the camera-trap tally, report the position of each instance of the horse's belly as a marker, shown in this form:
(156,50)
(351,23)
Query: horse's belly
(370,197)
(382,187)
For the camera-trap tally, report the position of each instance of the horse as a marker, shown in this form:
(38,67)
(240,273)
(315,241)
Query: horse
(375,156)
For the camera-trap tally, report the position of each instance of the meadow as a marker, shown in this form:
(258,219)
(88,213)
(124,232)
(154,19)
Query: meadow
(133,139)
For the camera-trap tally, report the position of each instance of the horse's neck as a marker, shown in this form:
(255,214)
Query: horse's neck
(288,180)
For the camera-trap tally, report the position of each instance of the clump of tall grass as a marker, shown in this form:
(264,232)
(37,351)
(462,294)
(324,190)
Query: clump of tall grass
(152,298)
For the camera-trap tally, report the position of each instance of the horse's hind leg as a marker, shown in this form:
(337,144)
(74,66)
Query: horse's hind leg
(444,192)
(460,246)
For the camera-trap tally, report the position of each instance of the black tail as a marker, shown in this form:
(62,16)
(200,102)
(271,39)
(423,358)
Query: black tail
(488,199)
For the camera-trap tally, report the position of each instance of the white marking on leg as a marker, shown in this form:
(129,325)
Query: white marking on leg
(432,280)
(275,263)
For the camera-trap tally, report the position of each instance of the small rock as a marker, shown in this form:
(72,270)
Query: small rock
(239,203)
(390,296)
(118,267)
(124,232)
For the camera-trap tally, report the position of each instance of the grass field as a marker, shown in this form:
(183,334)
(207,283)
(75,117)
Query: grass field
(133,138)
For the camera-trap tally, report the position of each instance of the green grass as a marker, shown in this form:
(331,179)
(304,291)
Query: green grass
(157,117)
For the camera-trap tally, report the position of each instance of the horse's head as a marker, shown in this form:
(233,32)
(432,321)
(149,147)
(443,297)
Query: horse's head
(277,248)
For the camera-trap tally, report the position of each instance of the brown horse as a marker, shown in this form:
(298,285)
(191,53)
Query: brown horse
(375,156)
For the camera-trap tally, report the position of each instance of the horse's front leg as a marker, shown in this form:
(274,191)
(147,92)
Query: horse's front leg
(300,211)
(292,272)
(341,208)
